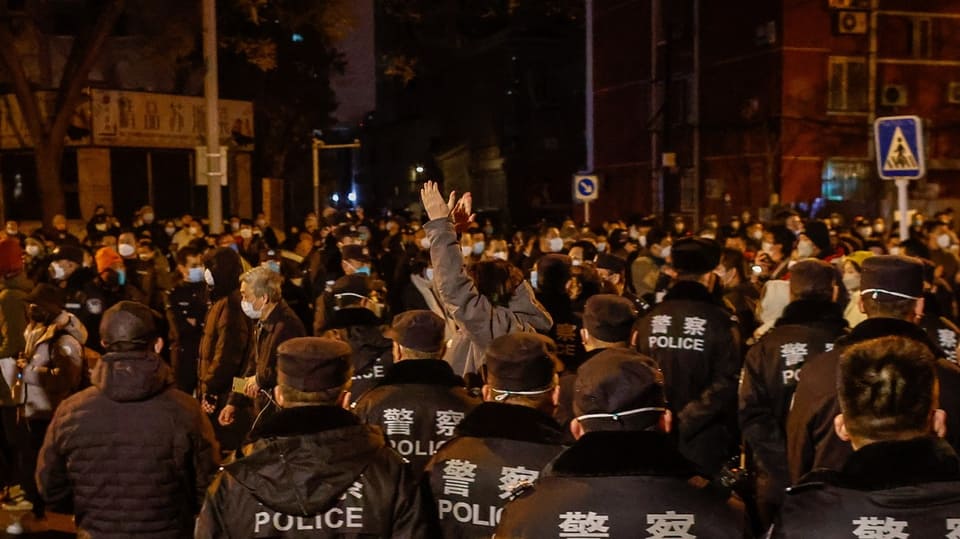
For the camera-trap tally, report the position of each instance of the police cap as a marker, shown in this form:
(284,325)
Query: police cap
(313,364)
(619,389)
(609,317)
(419,330)
(695,255)
(67,252)
(892,277)
(521,362)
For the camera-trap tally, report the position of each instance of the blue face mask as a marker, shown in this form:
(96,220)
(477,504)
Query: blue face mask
(363,270)
(273,265)
(121,277)
(235,247)
(195,275)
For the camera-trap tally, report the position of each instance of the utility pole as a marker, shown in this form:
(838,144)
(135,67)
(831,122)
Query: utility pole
(589,111)
(211,90)
(656,172)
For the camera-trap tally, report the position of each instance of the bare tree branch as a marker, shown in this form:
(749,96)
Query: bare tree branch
(29,105)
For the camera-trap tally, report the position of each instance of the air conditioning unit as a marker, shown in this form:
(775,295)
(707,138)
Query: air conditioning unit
(851,22)
(893,95)
(953,93)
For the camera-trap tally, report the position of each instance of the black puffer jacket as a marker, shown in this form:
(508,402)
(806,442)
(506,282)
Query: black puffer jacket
(132,454)
(315,472)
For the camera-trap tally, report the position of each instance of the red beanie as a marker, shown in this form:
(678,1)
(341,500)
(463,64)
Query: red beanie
(11,257)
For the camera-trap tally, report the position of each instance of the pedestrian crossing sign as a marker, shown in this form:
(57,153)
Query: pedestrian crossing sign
(899,143)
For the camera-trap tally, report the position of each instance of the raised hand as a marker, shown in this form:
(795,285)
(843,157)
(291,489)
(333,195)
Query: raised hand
(433,202)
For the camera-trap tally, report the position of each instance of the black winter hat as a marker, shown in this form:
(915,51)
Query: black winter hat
(521,362)
(609,317)
(819,234)
(46,296)
(68,252)
(129,322)
(892,277)
(695,255)
(313,364)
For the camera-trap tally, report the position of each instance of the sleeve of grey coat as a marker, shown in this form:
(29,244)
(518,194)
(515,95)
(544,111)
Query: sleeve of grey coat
(525,306)
(51,477)
(206,453)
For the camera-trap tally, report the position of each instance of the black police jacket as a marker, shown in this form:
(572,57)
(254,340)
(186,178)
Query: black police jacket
(887,489)
(497,447)
(186,307)
(943,332)
(621,484)
(811,440)
(418,404)
(372,352)
(695,339)
(770,373)
(315,471)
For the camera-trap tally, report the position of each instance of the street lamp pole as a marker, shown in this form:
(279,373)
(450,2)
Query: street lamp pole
(317,146)
(211,92)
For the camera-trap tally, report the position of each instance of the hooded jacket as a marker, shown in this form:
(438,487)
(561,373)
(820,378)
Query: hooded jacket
(227,332)
(315,471)
(57,345)
(130,456)
(480,321)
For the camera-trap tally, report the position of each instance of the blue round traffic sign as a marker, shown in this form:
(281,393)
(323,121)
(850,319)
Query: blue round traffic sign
(586,186)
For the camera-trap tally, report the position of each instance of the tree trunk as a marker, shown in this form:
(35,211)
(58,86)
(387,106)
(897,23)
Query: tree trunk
(48,157)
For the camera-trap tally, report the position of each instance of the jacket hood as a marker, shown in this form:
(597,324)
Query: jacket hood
(693,291)
(812,312)
(226,267)
(306,459)
(131,376)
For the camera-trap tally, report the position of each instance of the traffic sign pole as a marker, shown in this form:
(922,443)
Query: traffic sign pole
(586,213)
(902,202)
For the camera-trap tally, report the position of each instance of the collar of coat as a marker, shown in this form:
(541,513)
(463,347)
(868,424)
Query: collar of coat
(618,453)
(691,291)
(888,465)
(873,328)
(280,312)
(511,422)
(422,371)
(303,420)
(812,311)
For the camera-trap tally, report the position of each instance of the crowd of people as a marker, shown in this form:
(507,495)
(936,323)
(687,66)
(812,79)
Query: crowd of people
(398,376)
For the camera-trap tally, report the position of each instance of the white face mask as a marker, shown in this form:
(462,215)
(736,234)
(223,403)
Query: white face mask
(757,235)
(125,249)
(428,273)
(208,277)
(500,255)
(246,233)
(805,249)
(33,250)
(943,241)
(643,241)
(478,248)
(767,247)
(851,281)
(170,231)
(556,245)
(602,247)
(148,218)
(425,242)
(896,251)
(12,231)
(533,278)
(250,311)
(58,272)
(466,250)
(576,262)
(665,252)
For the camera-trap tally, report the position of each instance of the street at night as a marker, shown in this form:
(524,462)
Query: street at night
(486,268)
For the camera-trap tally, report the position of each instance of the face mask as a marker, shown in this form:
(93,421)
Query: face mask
(602,247)
(249,310)
(195,275)
(125,249)
(33,250)
(533,279)
(665,252)
(466,250)
(643,241)
(57,272)
(208,277)
(478,247)
(767,247)
(757,235)
(943,241)
(102,227)
(195,231)
(805,249)
(428,273)
(145,257)
(576,262)
(12,231)
(634,233)
(121,277)
(500,255)
(246,233)
(851,281)
(148,218)
(170,230)
(556,245)
(865,231)
(273,265)
(896,251)
(235,247)
(424,243)
(363,270)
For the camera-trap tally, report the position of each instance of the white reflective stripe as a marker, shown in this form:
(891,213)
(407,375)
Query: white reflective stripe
(874,291)
(618,415)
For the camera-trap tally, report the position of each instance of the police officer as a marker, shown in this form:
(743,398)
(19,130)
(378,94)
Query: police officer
(106,289)
(420,400)
(507,439)
(939,328)
(315,471)
(694,337)
(66,270)
(186,307)
(624,476)
(902,479)
(607,322)
(890,294)
(810,325)
(613,273)
(355,321)
(553,276)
